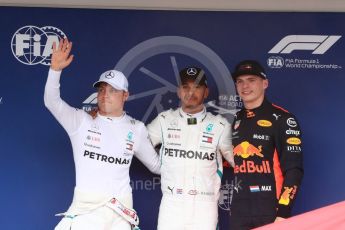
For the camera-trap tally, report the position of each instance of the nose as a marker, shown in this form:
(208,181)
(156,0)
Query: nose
(103,94)
(107,92)
(245,84)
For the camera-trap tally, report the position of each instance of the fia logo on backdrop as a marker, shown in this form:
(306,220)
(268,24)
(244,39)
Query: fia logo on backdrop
(32,45)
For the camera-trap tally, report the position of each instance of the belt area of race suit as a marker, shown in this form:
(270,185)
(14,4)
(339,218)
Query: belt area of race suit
(128,214)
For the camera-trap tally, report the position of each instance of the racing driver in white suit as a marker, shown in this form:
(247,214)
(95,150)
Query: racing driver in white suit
(193,142)
(102,149)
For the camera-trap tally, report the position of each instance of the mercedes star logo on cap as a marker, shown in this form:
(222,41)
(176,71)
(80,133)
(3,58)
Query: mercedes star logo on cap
(110,75)
(191,71)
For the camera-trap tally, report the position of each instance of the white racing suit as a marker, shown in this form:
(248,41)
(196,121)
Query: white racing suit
(102,149)
(191,167)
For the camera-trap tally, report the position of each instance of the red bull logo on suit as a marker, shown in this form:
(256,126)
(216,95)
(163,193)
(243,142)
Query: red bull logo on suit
(246,150)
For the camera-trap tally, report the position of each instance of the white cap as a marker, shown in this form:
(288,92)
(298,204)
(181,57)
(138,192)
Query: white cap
(114,78)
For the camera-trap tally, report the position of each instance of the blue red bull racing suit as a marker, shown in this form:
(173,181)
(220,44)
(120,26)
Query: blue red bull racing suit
(268,165)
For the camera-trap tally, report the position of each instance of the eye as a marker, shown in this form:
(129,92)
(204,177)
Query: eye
(113,90)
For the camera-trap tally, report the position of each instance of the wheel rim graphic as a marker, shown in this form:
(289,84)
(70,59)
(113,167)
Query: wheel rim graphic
(177,45)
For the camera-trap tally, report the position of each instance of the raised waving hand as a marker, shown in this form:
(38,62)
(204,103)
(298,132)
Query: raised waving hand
(61,57)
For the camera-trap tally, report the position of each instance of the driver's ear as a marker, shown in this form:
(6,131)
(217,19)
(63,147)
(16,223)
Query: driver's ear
(265,84)
(125,95)
(206,93)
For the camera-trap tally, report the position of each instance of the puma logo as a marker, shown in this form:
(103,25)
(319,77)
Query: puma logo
(171,189)
(276,116)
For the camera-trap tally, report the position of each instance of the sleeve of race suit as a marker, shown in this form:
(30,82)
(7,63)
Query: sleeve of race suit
(225,142)
(155,131)
(70,118)
(289,148)
(145,152)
